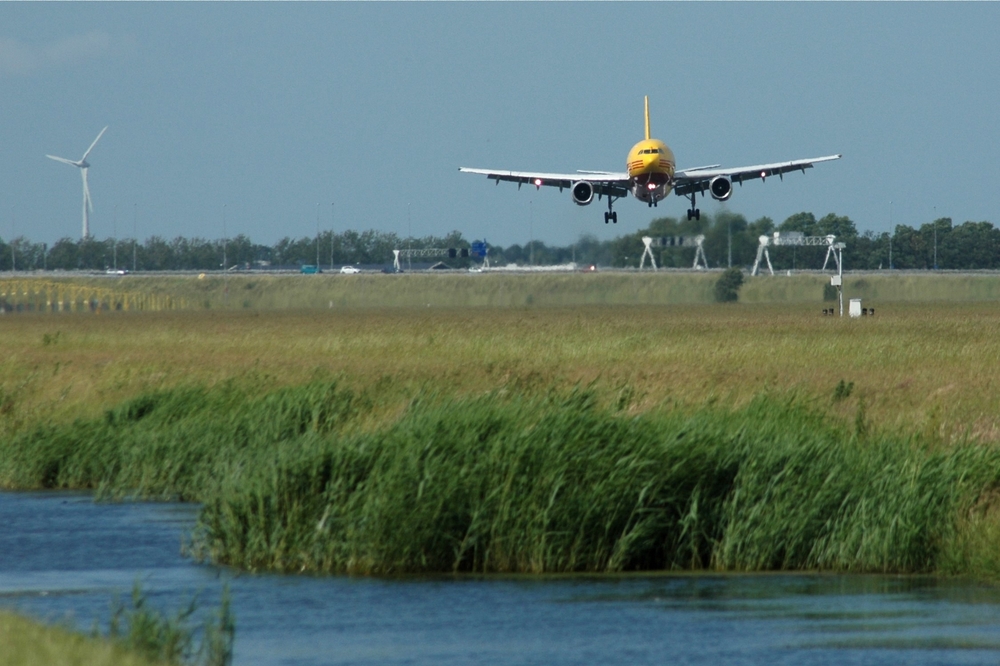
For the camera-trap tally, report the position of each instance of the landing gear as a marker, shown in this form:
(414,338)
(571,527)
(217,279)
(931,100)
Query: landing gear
(610,216)
(693,212)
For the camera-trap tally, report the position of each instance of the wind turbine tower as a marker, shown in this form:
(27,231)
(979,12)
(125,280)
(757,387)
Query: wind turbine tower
(83,165)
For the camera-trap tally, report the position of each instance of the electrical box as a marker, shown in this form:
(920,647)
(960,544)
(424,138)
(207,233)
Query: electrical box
(835,280)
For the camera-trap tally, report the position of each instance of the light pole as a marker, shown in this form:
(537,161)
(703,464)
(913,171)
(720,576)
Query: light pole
(890,234)
(224,260)
(317,238)
(332,233)
(135,214)
(114,233)
(935,238)
(729,233)
(531,234)
(13,260)
(409,241)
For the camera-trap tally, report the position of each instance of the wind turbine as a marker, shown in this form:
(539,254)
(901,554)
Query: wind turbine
(83,165)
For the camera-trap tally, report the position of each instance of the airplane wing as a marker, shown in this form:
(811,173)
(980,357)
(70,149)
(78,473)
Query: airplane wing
(605,182)
(687,181)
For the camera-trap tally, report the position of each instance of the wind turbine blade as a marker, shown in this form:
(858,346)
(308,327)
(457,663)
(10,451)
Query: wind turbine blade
(86,191)
(63,160)
(84,158)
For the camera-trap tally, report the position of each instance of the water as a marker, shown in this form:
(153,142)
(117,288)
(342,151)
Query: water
(62,556)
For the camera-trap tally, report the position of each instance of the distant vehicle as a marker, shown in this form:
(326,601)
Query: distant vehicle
(309,269)
(350,270)
(116,271)
(651,176)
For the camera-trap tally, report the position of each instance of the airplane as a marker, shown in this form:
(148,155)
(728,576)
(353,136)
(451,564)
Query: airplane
(651,176)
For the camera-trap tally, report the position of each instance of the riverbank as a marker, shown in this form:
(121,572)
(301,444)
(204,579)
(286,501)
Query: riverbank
(735,438)
(307,479)
(29,643)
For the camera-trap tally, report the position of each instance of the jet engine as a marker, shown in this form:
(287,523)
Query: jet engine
(583,193)
(721,188)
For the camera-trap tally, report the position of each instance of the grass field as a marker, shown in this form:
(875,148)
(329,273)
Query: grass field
(368,290)
(532,437)
(918,367)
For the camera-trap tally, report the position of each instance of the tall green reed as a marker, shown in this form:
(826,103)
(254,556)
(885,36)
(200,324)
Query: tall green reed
(171,639)
(546,482)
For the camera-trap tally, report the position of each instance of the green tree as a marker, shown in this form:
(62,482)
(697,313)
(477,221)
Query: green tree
(157,255)
(804,222)
(94,254)
(840,226)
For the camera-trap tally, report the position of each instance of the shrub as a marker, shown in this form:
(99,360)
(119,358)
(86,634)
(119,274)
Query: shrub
(727,288)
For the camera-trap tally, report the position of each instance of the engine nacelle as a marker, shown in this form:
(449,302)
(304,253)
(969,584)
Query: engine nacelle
(583,192)
(721,188)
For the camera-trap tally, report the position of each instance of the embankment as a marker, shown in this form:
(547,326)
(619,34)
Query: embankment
(304,479)
(26,642)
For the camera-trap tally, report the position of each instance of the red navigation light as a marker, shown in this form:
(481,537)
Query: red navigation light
(538,182)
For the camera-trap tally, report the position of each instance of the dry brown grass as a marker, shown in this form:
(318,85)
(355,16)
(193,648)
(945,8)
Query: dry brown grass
(927,367)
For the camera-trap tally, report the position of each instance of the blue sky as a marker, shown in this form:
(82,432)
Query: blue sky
(257,112)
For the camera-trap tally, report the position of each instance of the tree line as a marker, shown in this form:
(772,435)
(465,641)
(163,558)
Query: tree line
(730,239)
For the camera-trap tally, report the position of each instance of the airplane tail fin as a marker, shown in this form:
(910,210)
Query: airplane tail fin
(647,118)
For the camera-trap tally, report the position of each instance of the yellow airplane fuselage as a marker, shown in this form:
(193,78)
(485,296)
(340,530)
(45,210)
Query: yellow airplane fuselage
(651,167)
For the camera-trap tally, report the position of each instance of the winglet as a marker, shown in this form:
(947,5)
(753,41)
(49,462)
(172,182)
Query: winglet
(647,117)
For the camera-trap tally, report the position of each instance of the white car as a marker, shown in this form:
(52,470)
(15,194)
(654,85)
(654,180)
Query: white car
(350,270)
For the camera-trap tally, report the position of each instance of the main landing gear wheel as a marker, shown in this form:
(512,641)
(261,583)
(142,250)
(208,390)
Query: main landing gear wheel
(610,216)
(693,210)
